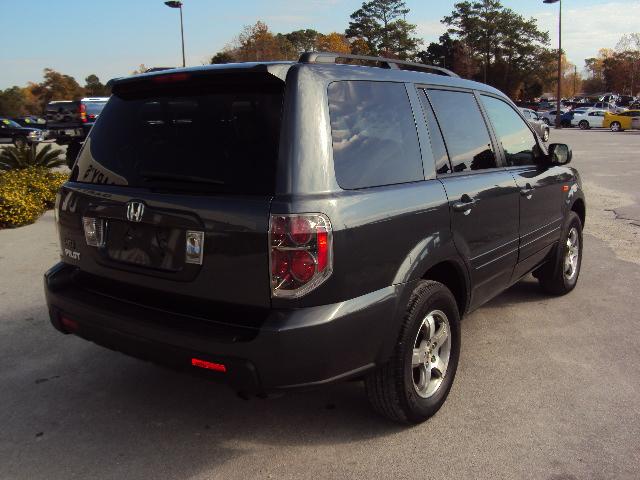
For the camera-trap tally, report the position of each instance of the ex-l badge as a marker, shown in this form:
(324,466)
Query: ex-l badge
(194,247)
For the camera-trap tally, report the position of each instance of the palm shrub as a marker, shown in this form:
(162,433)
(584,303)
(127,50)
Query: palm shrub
(28,156)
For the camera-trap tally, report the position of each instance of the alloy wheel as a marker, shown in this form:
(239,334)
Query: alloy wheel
(431,351)
(572,254)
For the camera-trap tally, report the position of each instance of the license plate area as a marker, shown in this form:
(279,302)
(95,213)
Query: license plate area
(144,245)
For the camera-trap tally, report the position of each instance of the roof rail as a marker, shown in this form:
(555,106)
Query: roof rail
(330,57)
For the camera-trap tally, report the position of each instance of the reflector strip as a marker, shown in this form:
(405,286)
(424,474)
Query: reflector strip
(68,324)
(218,367)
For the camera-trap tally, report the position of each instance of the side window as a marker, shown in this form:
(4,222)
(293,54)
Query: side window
(435,135)
(518,142)
(465,133)
(375,141)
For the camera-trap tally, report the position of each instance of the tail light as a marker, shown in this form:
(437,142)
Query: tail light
(82,110)
(93,231)
(301,253)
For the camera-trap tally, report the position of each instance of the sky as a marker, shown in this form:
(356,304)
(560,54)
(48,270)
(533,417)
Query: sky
(111,38)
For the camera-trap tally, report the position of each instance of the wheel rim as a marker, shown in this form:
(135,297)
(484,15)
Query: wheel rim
(583,125)
(615,126)
(431,352)
(572,254)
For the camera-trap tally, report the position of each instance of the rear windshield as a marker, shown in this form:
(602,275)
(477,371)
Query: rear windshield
(94,108)
(220,137)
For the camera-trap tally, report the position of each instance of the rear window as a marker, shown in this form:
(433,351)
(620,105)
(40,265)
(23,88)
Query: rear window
(211,136)
(374,135)
(94,108)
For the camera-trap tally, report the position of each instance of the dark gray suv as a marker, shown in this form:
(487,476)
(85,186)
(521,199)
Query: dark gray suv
(286,225)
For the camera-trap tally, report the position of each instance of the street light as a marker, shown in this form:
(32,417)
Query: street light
(177,4)
(559,93)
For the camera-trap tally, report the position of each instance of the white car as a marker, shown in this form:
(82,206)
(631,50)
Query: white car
(588,119)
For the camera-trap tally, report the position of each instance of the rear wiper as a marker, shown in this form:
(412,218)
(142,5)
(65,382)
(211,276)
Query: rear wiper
(180,178)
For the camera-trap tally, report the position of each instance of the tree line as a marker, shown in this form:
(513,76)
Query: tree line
(31,100)
(484,41)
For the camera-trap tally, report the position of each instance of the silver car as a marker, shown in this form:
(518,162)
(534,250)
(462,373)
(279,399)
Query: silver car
(541,128)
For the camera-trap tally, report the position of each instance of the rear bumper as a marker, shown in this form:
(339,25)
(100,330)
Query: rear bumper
(294,348)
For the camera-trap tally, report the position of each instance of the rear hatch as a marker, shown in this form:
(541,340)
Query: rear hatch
(63,114)
(174,186)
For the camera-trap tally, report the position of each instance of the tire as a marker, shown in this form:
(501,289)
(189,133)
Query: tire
(558,277)
(546,121)
(616,127)
(398,389)
(545,135)
(72,153)
(584,125)
(20,142)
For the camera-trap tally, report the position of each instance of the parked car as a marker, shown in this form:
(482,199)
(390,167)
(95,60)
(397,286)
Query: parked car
(540,127)
(285,225)
(31,121)
(12,132)
(69,122)
(588,119)
(549,118)
(618,122)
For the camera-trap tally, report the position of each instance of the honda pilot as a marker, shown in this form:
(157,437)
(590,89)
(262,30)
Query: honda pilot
(286,225)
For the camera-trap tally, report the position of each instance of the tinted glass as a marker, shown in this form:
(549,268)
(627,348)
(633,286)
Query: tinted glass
(464,130)
(219,137)
(517,140)
(94,108)
(374,135)
(9,123)
(435,136)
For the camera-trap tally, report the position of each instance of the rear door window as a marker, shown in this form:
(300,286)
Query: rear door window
(375,141)
(464,130)
(218,136)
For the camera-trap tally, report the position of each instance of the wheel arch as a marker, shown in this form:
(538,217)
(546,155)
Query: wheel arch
(580,208)
(452,274)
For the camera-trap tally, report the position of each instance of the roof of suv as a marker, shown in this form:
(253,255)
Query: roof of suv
(324,65)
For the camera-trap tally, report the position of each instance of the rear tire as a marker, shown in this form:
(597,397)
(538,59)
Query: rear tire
(584,125)
(415,382)
(616,127)
(560,276)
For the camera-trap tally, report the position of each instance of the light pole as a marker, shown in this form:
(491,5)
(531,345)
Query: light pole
(559,93)
(178,5)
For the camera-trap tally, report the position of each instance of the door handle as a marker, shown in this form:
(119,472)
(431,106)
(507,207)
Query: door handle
(463,205)
(527,191)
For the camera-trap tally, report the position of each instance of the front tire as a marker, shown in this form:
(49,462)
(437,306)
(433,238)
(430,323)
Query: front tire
(584,125)
(415,382)
(560,276)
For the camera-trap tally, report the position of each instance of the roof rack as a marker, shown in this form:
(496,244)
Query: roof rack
(392,63)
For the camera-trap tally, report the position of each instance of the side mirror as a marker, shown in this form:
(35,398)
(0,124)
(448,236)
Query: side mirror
(559,154)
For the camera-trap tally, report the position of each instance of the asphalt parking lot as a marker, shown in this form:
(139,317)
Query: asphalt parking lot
(547,388)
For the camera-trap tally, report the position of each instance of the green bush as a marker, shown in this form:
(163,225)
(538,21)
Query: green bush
(27,193)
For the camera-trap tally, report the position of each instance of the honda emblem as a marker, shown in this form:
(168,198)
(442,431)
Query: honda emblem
(135,211)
